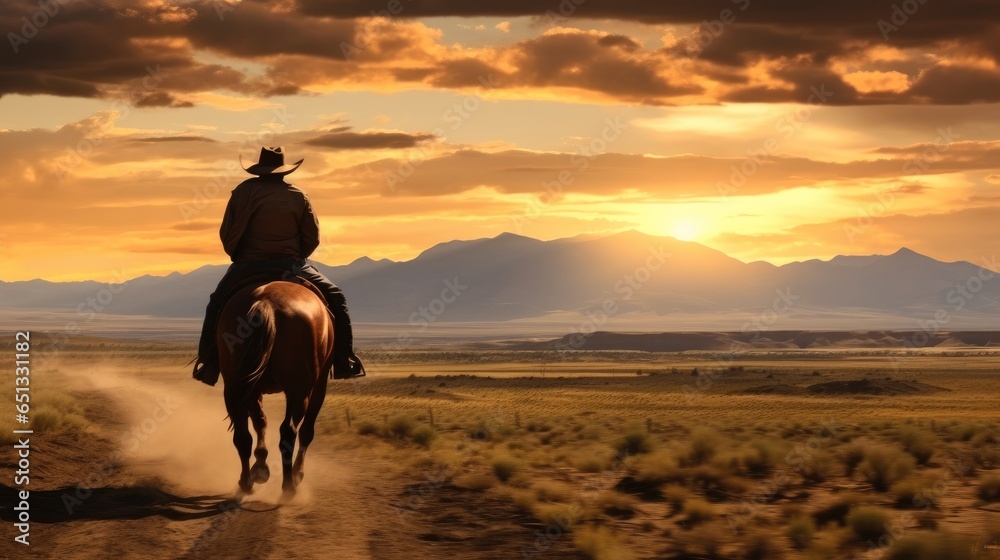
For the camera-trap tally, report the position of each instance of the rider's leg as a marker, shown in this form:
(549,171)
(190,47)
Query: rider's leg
(345,363)
(206,367)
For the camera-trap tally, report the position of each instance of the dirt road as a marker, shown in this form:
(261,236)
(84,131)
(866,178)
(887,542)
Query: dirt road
(154,477)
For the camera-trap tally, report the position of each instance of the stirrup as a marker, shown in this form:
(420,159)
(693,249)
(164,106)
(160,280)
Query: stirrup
(357,369)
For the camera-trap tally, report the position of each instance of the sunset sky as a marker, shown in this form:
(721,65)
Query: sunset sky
(778,130)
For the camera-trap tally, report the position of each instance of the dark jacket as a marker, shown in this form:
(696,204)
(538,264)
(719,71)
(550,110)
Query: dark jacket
(268,219)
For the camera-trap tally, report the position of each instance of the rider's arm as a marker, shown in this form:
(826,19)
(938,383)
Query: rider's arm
(309,229)
(234,223)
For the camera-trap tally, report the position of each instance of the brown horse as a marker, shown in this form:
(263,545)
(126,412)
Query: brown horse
(273,338)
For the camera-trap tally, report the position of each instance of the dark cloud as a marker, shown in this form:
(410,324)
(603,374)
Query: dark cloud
(160,99)
(591,62)
(690,176)
(196,225)
(254,30)
(175,139)
(781,12)
(111,49)
(957,85)
(107,48)
(368,140)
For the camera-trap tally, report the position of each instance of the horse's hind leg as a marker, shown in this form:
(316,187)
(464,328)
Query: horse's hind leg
(259,471)
(308,428)
(294,411)
(241,438)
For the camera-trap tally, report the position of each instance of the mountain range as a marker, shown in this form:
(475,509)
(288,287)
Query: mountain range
(512,277)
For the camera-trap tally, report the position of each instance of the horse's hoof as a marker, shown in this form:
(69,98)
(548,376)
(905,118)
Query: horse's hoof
(297,478)
(247,488)
(260,473)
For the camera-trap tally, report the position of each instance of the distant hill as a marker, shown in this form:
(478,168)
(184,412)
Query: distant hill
(725,343)
(514,277)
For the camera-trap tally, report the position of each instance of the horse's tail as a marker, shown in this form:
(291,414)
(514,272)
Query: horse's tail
(260,344)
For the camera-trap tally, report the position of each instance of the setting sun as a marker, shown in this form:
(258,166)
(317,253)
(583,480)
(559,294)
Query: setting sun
(685,230)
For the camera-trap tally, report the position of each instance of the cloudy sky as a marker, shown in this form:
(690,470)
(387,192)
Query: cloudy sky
(767,130)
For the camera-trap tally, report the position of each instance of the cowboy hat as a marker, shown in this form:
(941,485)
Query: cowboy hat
(271,162)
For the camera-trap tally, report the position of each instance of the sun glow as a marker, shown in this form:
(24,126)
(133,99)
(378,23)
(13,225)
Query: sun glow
(685,230)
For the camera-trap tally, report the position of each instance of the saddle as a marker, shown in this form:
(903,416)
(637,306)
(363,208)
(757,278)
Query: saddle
(275,274)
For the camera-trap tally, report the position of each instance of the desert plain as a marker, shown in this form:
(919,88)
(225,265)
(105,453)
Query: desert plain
(471,453)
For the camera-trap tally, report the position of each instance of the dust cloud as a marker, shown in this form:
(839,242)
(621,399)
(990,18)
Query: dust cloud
(177,431)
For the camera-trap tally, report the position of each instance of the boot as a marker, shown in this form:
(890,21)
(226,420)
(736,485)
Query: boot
(206,367)
(348,368)
(206,371)
(346,364)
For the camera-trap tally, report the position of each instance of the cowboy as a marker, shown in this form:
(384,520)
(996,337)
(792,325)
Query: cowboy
(269,224)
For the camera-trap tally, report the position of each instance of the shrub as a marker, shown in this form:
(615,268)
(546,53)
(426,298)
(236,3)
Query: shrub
(475,481)
(635,442)
(553,491)
(704,445)
(918,443)
(44,420)
(657,467)
(718,484)
(563,516)
(989,488)
(932,547)
(883,467)
(916,493)
(535,426)
(600,543)
(764,456)
(400,426)
(697,511)
(966,432)
(838,510)
(852,455)
(699,542)
(760,546)
(985,437)
(868,523)
(800,531)
(423,435)
(986,457)
(590,460)
(817,467)
(481,431)
(505,467)
(525,500)
(367,427)
(676,496)
(616,504)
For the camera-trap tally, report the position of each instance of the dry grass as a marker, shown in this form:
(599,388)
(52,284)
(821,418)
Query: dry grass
(655,469)
(642,466)
(504,467)
(52,410)
(883,466)
(868,523)
(800,531)
(601,543)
